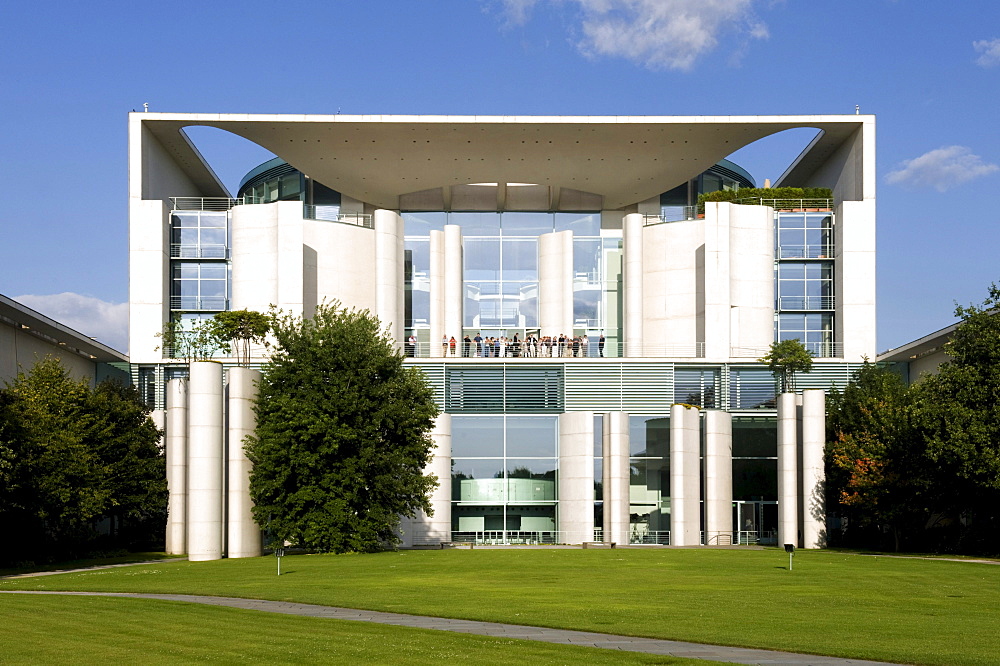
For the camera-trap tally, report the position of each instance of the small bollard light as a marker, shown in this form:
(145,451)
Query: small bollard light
(278,554)
(790,549)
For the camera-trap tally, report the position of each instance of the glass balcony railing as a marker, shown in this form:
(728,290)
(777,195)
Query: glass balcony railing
(805,252)
(183,251)
(806,303)
(199,303)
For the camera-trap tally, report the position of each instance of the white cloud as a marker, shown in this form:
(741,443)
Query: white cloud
(989,50)
(107,322)
(942,169)
(658,34)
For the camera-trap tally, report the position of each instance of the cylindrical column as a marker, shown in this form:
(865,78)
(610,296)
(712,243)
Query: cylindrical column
(718,477)
(437,528)
(616,478)
(568,316)
(813,472)
(244,534)
(576,477)
(685,486)
(454,285)
(255,249)
(205,450)
(176,445)
(632,227)
(436,274)
(788,477)
(388,271)
(552,274)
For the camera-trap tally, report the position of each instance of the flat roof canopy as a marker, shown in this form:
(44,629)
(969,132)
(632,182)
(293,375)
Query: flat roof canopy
(625,159)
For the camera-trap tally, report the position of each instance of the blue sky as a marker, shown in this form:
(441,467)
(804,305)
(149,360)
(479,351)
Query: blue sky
(71,72)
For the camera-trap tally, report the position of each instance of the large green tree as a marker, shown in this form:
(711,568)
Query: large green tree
(958,412)
(71,456)
(876,475)
(342,434)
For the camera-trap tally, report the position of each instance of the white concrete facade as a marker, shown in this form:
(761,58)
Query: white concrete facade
(695,293)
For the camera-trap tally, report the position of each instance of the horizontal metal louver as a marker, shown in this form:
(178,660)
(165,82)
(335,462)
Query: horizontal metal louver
(647,387)
(825,376)
(434,373)
(592,387)
(504,388)
(751,388)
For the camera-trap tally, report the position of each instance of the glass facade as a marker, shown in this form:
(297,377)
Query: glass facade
(649,484)
(503,477)
(199,265)
(804,297)
(501,272)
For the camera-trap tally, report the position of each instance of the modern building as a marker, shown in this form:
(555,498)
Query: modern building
(653,422)
(27,336)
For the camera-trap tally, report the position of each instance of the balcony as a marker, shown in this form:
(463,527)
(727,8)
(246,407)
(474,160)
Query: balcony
(333,214)
(805,252)
(182,251)
(592,349)
(816,349)
(199,303)
(806,303)
(206,203)
(790,205)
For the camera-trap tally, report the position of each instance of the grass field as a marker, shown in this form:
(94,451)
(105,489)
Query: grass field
(94,630)
(903,610)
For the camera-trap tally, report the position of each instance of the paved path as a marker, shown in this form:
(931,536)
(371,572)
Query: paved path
(496,629)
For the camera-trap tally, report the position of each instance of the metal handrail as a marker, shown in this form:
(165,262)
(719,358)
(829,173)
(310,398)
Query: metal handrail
(661,537)
(799,303)
(793,205)
(805,251)
(539,351)
(674,214)
(195,303)
(205,203)
(332,214)
(817,349)
(508,537)
(198,251)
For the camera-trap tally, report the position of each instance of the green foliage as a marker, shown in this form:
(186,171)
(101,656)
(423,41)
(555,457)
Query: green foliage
(786,358)
(958,412)
(71,456)
(767,193)
(874,471)
(341,438)
(239,328)
(193,340)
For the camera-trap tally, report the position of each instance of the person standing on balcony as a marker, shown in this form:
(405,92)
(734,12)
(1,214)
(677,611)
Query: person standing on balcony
(600,345)
(451,345)
(479,344)
(466,346)
(444,345)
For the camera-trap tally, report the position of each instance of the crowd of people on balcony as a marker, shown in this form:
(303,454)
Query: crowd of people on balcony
(532,346)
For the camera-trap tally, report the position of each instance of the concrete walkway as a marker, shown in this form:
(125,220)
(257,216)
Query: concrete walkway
(494,629)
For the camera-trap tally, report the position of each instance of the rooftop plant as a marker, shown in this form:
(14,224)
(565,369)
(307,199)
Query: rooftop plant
(767,193)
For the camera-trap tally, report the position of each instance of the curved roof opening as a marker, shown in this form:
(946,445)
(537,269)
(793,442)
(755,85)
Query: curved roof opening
(769,157)
(229,155)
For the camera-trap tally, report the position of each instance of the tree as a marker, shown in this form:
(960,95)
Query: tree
(786,358)
(342,434)
(239,328)
(958,412)
(71,456)
(191,340)
(875,473)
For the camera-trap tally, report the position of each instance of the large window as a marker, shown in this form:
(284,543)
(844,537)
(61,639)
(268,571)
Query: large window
(199,234)
(649,484)
(199,285)
(804,235)
(805,285)
(815,331)
(504,475)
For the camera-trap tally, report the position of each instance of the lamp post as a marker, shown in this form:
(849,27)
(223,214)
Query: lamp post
(790,549)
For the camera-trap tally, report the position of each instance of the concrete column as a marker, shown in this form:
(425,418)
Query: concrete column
(718,476)
(437,528)
(632,230)
(576,477)
(616,478)
(205,451)
(685,467)
(788,477)
(454,286)
(243,533)
(176,445)
(388,271)
(437,281)
(255,257)
(554,281)
(568,317)
(813,472)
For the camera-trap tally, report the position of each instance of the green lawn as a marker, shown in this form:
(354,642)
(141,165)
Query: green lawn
(95,630)
(834,603)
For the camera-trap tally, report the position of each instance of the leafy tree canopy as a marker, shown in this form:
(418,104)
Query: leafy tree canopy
(784,359)
(71,456)
(342,434)
(241,328)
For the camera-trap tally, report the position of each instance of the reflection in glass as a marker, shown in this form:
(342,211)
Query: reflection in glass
(477,436)
(531,436)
